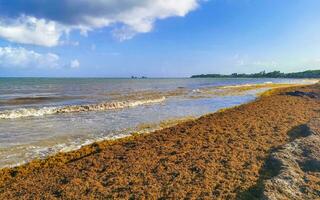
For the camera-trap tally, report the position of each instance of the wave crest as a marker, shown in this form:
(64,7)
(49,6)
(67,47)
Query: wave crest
(32,112)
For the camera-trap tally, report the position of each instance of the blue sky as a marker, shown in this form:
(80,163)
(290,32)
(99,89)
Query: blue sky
(157,38)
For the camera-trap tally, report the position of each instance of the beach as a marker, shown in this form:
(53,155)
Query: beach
(222,155)
(40,117)
(159,99)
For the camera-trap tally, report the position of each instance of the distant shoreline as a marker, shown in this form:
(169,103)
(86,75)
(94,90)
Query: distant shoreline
(263,74)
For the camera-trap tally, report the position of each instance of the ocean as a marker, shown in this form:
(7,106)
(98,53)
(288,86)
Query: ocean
(43,116)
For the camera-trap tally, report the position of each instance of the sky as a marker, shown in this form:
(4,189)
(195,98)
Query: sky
(157,38)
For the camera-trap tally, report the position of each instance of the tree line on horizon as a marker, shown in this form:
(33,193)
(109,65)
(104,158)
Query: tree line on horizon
(264,74)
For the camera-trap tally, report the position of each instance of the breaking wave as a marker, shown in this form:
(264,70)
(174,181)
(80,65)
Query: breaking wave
(33,112)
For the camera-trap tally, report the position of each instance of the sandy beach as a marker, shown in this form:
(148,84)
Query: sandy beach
(224,155)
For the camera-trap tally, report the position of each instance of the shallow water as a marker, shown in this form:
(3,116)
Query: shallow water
(42,116)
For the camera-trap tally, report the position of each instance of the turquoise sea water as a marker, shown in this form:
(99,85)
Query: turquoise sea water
(42,116)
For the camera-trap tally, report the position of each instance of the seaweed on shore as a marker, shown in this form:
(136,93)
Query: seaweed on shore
(217,156)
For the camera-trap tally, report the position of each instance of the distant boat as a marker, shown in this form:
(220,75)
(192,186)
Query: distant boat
(135,77)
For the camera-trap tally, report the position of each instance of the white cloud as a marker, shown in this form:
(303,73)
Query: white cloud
(30,30)
(74,64)
(69,43)
(246,61)
(38,25)
(21,58)
(264,63)
(123,33)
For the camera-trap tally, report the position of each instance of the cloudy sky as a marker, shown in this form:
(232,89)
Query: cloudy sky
(157,38)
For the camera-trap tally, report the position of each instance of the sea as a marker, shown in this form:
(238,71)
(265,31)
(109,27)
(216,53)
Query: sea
(42,116)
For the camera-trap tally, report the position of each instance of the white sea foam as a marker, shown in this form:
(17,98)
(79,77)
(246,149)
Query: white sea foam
(268,83)
(247,85)
(27,112)
(237,86)
(32,112)
(196,90)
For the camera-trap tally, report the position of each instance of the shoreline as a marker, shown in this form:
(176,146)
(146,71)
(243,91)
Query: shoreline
(41,151)
(148,128)
(162,139)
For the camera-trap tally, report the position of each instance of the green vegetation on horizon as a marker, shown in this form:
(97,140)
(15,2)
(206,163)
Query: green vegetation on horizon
(263,74)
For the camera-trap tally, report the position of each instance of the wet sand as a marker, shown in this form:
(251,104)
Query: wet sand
(218,156)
